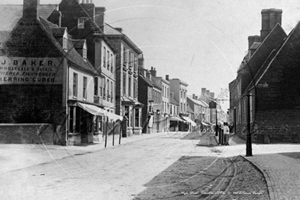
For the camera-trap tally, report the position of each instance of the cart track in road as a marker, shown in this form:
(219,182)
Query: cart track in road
(222,182)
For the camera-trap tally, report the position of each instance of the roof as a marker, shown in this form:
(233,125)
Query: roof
(112,32)
(149,83)
(189,109)
(249,68)
(58,31)
(72,55)
(11,14)
(271,59)
(109,30)
(198,102)
(255,45)
(156,83)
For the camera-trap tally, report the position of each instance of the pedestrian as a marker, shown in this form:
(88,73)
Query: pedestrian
(226,133)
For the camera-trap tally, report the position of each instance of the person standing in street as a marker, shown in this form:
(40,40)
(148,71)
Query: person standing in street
(226,133)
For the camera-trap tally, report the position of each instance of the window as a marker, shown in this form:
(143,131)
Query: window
(104,57)
(84,87)
(124,82)
(111,63)
(81,21)
(75,83)
(111,92)
(129,85)
(107,86)
(124,55)
(130,59)
(135,64)
(108,60)
(96,86)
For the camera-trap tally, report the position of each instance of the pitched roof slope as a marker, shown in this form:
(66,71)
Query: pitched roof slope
(288,54)
(271,42)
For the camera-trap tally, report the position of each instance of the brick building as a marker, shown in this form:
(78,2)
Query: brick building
(47,79)
(267,84)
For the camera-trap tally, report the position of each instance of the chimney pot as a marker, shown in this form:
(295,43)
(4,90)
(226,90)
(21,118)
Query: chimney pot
(119,29)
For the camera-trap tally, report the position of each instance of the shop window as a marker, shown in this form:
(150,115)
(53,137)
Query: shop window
(137,118)
(71,126)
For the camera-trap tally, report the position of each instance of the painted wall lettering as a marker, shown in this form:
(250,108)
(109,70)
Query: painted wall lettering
(19,70)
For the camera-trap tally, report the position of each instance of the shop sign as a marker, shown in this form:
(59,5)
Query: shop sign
(21,70)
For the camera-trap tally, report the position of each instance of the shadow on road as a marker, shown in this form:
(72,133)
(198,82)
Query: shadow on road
(189,173)
(294,155)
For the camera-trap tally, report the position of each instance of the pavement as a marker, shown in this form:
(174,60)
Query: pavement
(18,156)
(280,163)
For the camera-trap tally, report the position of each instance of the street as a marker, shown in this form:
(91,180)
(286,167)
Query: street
(160,166)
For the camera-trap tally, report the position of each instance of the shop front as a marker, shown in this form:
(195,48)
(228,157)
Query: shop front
(88,123)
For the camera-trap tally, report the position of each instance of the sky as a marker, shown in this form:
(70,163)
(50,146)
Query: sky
(201,42)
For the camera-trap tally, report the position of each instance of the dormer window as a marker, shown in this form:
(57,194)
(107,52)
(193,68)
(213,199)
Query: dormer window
(84,51)
(65,41)
(81,21)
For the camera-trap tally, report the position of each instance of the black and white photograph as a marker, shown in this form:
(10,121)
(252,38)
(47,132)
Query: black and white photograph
(149,99)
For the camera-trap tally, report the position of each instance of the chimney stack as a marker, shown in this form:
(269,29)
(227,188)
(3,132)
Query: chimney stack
(141,62)
(119,29)
(270,17)
(99,17)
(30,9)
(167,77)
(252,39)
(153,71)
(194,96)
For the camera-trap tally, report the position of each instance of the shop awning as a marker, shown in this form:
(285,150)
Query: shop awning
(204,124)
(189,120)
(94,110)
(176,119)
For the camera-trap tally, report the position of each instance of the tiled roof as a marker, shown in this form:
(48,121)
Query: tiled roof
(57,31)
(269,61)
(109,30)
(11,14)
(198,102)
(189,109)
(78,43)
(271,42)
(146,80)
(72,55)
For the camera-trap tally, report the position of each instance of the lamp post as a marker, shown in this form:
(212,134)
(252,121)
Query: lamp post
(248,138)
